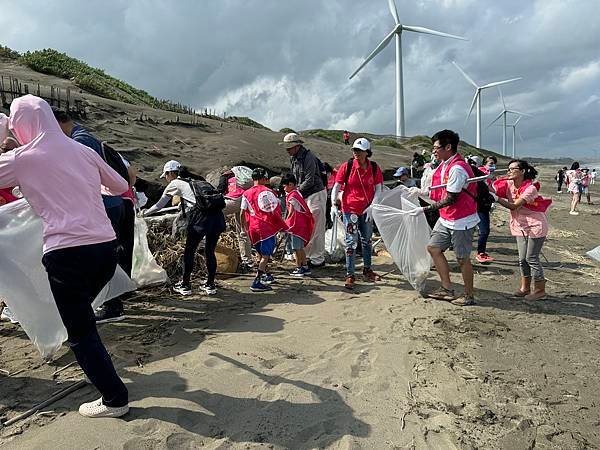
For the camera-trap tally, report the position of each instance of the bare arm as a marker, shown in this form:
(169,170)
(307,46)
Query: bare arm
(513,206)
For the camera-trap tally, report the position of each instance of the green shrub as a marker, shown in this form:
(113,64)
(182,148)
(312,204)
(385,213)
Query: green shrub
(247,121)
(9,53)
(286,130)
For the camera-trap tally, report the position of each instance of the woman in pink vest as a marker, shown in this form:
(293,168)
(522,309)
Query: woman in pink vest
(528,224)
(458,217)
(300,223)
(261,216)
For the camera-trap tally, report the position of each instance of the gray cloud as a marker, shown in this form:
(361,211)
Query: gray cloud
(287,63)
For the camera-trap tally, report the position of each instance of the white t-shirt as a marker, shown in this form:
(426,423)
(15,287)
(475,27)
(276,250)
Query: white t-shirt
(181,188)
(457,180)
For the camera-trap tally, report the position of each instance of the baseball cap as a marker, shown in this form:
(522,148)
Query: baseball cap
(362,144)
(291,140)
(171,166)
(260,174)
(401,171)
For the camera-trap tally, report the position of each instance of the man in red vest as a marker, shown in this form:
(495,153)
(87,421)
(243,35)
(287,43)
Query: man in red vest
(458,216)
(261,216)
(300,223)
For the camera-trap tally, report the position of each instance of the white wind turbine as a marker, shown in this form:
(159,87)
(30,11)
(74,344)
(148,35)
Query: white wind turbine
(514,129)
(477,98)
(397,33)
(503,115)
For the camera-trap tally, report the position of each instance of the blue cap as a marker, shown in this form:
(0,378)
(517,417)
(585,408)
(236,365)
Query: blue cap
(401,171)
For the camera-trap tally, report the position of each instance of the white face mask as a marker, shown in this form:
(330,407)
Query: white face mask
(492,168)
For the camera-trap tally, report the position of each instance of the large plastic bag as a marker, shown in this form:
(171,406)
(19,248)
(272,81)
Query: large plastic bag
(404,236)
(145,270)
(24,283)
(335,252)
(243,176)
(595,253)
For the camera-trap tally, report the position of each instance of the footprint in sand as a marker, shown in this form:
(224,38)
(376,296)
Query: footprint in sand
(142,444)
(363,364)
(183,441)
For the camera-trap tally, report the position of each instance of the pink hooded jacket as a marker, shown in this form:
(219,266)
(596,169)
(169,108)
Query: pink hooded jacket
(59,177)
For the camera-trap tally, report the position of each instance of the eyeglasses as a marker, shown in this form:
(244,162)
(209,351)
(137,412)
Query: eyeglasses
(437,147)
(512,169)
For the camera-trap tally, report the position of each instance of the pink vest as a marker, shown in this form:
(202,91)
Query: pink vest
(262,225)
(300,224)
(233,190)
(465,205)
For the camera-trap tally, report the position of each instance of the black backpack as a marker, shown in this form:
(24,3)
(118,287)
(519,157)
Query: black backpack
(208,198)
(322,171)
(349,169)
(114,160)
(483,199)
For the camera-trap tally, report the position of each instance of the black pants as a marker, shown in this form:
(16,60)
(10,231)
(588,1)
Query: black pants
(194,237)
(76,276)
(122,219)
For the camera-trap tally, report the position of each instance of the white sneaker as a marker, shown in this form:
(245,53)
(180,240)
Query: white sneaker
(289,257)
(574,213)
(97,409)
(8,316)
(209,289)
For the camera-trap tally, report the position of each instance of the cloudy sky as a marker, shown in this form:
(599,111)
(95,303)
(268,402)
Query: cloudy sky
(286,63)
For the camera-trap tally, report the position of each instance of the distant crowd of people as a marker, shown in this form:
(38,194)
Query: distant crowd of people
(85,199)
(578,183)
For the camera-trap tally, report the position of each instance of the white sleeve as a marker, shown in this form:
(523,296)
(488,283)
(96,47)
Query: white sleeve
(457,179)
(244,205)
(296,205)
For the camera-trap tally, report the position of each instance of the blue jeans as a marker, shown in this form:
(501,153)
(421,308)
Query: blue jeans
(364,228)
(484,231)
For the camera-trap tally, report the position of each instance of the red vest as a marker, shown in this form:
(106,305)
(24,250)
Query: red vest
(262,224)
(465,205)
(300,224)
(233,190)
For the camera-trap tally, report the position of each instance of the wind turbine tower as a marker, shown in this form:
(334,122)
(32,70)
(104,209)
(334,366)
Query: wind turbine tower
(477,98)
(397,33)
(503,114)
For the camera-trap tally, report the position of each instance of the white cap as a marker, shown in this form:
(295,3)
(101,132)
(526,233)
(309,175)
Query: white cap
(171,166)
(362,144)
(291,140)
(478,160)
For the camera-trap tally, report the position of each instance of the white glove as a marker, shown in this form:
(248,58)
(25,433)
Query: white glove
(369,212)
(414,190)
(416,211)
(495,197)
(334,213)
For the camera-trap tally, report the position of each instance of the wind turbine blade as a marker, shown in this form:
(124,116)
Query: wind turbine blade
(498,83)
(472,105)
(502,98)
(394,11)
(469,79)
(520,137)
(374,53)
(495,120)
(519,113)
(429,31)
(517,121)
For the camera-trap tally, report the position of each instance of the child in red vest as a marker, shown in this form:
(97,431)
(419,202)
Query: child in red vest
(300,223)
(261,216)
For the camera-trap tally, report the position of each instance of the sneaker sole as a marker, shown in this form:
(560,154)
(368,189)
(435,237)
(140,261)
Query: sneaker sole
(111,319)
(260,290)
(117,412)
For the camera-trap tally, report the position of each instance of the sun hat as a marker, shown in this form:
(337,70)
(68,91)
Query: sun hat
(291,140)
(401,171)
(171,166)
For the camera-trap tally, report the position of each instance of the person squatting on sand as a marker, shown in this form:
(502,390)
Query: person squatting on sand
(361,182)
(306,167)
(528,223)
(202,207)
(458,217)
(119,209)
(61,180)
(233,191)
(299,221)
(261,217)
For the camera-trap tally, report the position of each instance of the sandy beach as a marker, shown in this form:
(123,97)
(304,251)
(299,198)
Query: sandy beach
(312,366)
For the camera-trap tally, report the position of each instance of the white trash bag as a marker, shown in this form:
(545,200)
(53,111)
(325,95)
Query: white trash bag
(24,283)
(595,253)
(145,270)
(335,251)
(404,236)
(243,176)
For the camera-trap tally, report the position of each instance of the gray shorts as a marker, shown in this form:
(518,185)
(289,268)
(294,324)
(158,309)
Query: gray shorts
(460,240)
